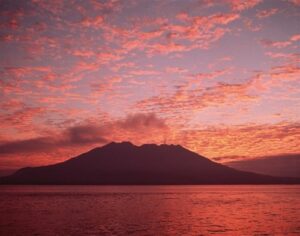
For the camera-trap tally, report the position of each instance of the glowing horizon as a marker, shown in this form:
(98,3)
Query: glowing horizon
(221,79)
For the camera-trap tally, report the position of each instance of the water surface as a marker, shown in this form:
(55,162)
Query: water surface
(150,210)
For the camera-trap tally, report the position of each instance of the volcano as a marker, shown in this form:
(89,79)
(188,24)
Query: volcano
(148,164)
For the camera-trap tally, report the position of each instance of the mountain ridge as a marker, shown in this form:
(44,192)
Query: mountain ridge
(150,164)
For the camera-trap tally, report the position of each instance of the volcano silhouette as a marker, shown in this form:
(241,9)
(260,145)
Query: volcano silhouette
(127,164)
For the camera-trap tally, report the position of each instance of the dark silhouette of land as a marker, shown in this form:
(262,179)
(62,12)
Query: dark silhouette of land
(281,165)
(6,172)
(125,163)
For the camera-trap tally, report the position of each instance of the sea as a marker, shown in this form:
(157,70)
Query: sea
(150,210)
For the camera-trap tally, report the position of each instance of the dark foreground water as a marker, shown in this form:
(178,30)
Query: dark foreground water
(150,210)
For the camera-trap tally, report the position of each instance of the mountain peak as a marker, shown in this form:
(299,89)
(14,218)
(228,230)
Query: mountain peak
(124,143)
(126,163)
(147,145)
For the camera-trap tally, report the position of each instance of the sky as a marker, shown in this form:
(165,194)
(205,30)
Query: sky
(221,78)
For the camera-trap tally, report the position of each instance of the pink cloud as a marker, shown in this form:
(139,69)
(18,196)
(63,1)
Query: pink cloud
(275,55)
(24,71)
(167,48)
(106,57)
(123,65)
(176,70)
(248,140)
(281,44)
(241,5)
(12,104)
(276,44)
(266,13)
(295,37)
(285,73)
(187,98)
(106,85)
(83,53)
(251,26)
(200,29)
(85,66)
(21,120)
(223,19)
(164,37)
(95,22)
(211,75)
(7,37)
(13,19)
(143,72)
(296,2)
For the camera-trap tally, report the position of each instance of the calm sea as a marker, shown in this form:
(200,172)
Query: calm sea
(150,210)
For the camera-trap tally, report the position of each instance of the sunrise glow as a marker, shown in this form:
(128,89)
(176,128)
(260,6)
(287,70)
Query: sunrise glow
(218,77)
